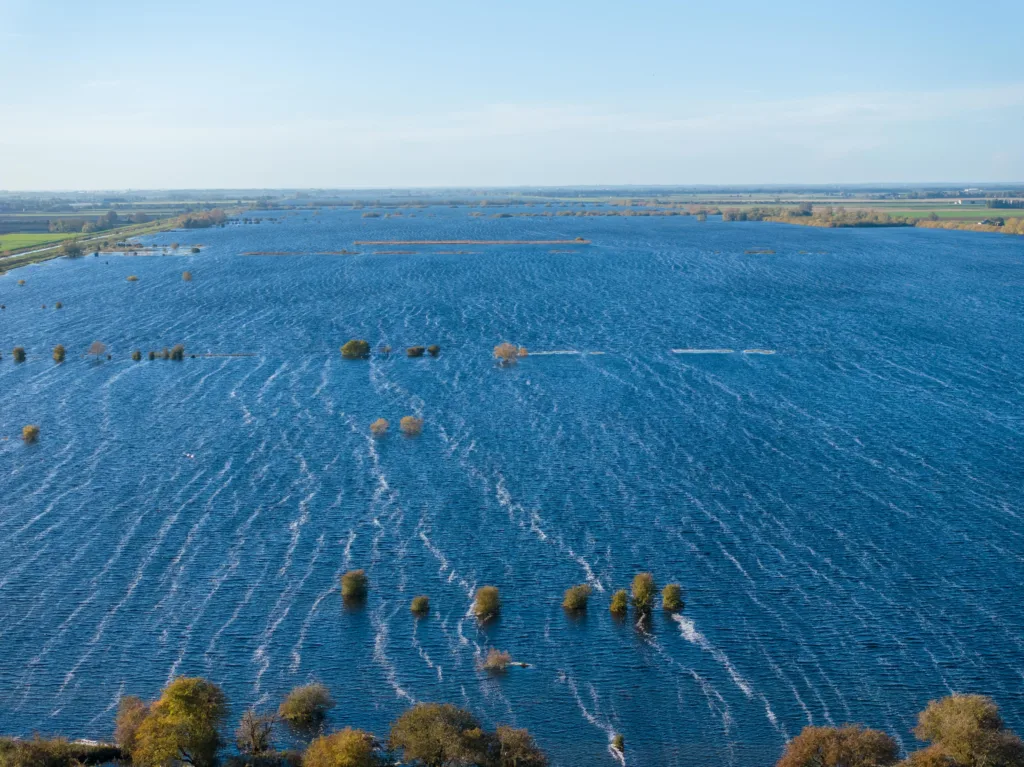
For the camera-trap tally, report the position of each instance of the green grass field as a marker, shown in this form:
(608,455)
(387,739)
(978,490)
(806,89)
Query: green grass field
(22,240)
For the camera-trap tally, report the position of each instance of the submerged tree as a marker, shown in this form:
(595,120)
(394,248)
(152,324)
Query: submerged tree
(508,354)
(619,603)
(513,747)
(30,433)
(415,351)
(355,350)
(96,349)
(178,352)
(643,591)
(496,660)
(306,707)
(847,746)
(18,353)
(411,425)
(576,597)
(354,585)
(420,606)
(137,355)
(379,427)
(254,733)
(433,350)
(186,276)
(59,353)
(672,597)
(487,603)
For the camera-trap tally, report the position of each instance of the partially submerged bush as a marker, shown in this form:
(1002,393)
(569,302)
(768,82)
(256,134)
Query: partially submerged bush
(194,250)
(152,355)
(178,352)
(346,748)
(254,733)
(411,425)
(354,585)
(58,305)
(439,734)
(137,355)
(487,603)
(18,353)
(59,353)
(576,597)
(30,433)
(619,743)
(507,354)
(672,597)
(132,278)
(420,605)
(433,350)
(496,660)
(643,591)
(379,427)
(620,602)
(186,276)
(355,350)
(306,706)
(415,351)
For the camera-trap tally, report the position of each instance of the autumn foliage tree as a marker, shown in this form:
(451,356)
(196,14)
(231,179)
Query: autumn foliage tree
(966,731)
(847,746)
(346,748)
(182,725)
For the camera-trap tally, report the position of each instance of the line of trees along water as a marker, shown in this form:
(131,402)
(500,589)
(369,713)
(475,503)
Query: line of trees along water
(185,726)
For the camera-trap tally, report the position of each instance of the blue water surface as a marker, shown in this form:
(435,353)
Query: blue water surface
(845,515)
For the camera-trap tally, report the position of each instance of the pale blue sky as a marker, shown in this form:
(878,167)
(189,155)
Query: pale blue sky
(115,94)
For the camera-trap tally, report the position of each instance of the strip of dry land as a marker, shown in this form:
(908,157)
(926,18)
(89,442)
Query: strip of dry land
(577,241)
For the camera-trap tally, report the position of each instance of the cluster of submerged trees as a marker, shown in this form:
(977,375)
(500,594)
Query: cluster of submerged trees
(358,349)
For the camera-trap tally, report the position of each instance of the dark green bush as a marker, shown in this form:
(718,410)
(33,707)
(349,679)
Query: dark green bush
(355,350)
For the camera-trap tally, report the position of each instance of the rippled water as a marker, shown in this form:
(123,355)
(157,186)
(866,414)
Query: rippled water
(845,514)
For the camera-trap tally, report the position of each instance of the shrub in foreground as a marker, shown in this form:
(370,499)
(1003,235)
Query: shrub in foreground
(306,706)
(643,591)
(59,353)
(966,730)
(576,597)
(56,752)
(379,427)
(411,425)
(487,603)
(620,602)
(420,606)
(847,746)
(30,433)
(355,350)
(513,747)
(346,748)
(131,712)
(183,724)
(672,597)
(354,585)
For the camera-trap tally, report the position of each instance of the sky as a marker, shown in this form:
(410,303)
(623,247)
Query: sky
(333,94)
